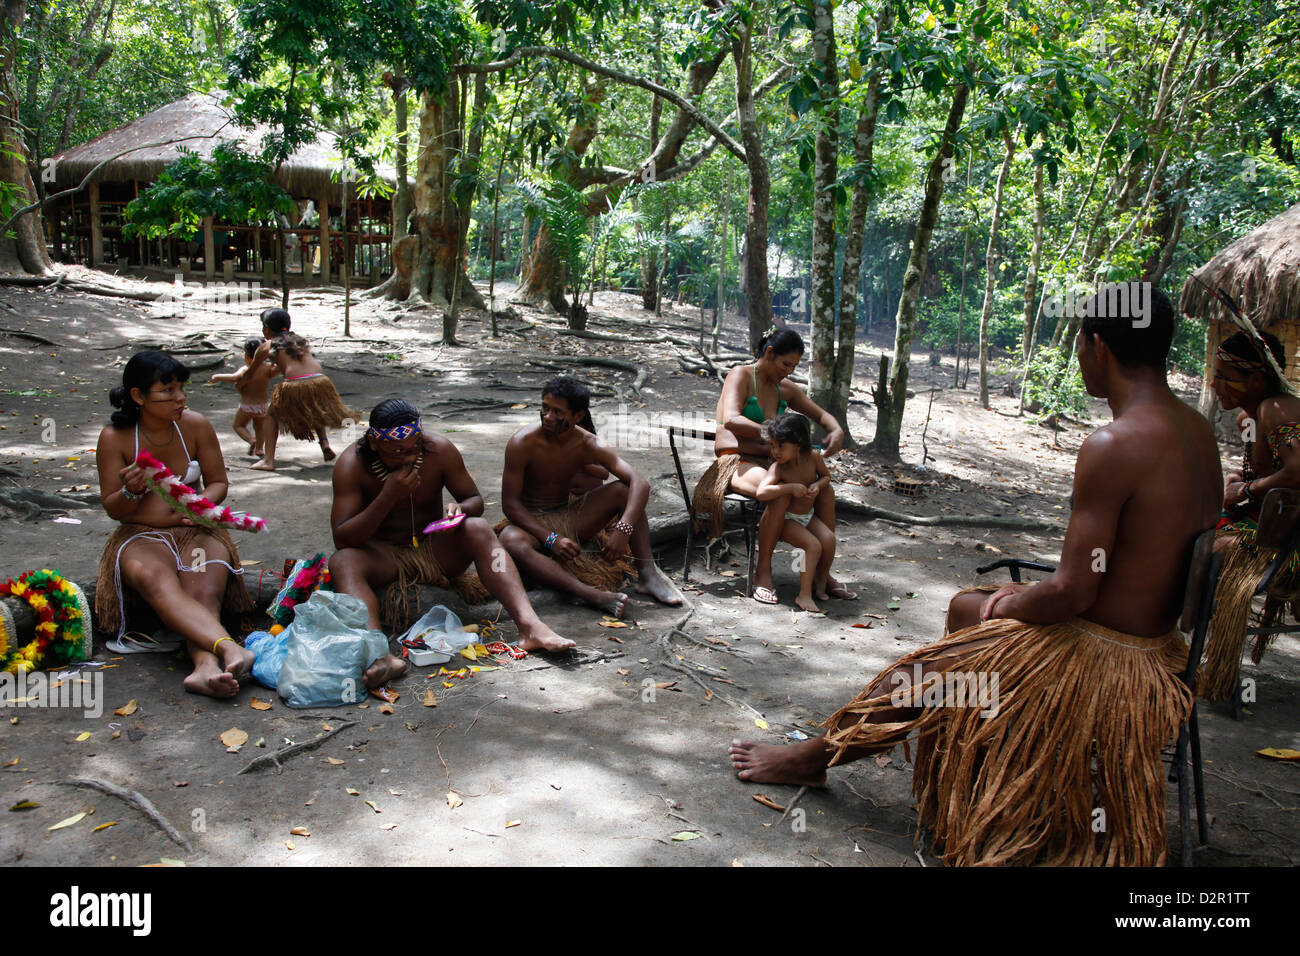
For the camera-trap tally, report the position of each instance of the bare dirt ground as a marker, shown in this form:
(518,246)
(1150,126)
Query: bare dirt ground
(602,762)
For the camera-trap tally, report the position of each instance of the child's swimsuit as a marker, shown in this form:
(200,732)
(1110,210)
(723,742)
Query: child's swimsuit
(754,411)
(802,519)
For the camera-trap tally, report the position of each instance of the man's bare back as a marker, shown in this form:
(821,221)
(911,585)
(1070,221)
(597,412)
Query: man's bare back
(1165,453)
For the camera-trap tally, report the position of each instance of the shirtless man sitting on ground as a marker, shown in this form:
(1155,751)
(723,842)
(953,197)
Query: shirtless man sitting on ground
(547,530)
(1087,658)
(387,488)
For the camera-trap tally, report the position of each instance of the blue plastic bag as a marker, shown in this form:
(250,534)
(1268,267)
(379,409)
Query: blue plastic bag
(268,650)
(329,649)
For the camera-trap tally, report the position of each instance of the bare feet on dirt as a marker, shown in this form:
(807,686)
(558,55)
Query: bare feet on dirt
(808,604)
(383,670)
(211,681)
(263,465)
(613,603)
(802,764)
(542,638)
(656,584)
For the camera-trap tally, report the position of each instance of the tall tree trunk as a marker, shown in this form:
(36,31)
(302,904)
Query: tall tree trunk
(26,250)
(891,398)
(545,272)
(837,401)
(439,218)
(402,197)
(823,388)
(1031,274)
(990,264)
(758,296)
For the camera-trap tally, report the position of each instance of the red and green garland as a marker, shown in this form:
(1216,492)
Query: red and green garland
(184,500)
(303,580)
(60,630)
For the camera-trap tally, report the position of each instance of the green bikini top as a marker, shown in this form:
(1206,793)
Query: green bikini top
(753,411)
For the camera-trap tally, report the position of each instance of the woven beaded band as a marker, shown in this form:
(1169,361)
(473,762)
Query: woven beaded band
(551,538)
(623,526)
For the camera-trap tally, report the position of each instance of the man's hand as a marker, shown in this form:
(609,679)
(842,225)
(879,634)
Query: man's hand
(566,549)
(404,481)
(987,611)
(615,547)
(453,508)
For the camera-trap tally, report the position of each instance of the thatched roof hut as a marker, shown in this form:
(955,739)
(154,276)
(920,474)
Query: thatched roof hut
(1261,273)
(198,123)
(87,226)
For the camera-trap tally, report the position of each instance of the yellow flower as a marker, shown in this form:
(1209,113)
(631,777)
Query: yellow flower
(38,602)
(31,651)
(47,627)
(19,589)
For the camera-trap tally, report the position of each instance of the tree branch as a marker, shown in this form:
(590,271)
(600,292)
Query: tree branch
(676,99)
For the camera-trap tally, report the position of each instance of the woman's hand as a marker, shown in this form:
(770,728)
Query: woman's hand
(834,441)
(133,479)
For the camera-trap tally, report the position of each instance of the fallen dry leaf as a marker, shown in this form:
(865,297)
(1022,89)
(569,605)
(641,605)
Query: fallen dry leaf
(386,709)
(429,699)
(616,640)
(334,761)
(259,704)
(12,762)
(624,671)
(388,826)
(234,737)
(300,831)
(351,793)
(682,835)
(75,818)
(84,735)
(883,760)
(760,723)
(127,709)
(180,783)
(454,800)
(371,805)
(310,802)
(767,801)
(114,735)
(326,727)
(290,845)
(104,826)
(513,823)
(1275,753)
(25,805)
(708,694)
(385,694)
(665,684)
(613,623)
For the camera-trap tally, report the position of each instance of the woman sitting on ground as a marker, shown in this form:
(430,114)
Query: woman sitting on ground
(751,395)
(181,570)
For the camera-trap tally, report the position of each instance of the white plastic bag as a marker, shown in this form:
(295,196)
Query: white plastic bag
(329,649)
(441,630)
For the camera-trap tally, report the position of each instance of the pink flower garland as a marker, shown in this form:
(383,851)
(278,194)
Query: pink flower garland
(184,499)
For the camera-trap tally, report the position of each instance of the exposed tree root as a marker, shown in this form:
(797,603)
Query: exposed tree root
(284,753)
(135,799)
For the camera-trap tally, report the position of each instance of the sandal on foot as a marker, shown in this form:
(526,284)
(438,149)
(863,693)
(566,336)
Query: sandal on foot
(842,592)
(764,595)
(137,642)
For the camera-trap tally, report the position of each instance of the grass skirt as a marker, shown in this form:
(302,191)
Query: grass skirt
(711,490)
(591,569)
(303,405)
(113,599)
(419,566)
(1079,715)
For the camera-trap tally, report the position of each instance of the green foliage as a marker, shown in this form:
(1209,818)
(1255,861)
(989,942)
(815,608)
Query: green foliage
(232,188)
(1055,385)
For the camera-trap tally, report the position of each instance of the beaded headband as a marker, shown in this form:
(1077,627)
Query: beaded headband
(396,433)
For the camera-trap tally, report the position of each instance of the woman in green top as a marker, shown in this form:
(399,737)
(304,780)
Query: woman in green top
(751,395)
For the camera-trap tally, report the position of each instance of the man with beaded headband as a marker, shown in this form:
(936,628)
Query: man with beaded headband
(1248,375)
(388,487)
(547,526)
(1084,664)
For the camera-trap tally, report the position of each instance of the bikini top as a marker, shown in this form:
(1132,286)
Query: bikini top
(193,472)
(754,411)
